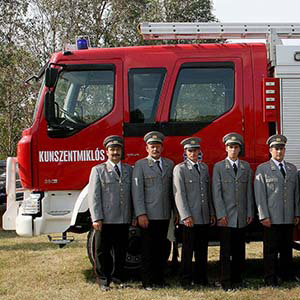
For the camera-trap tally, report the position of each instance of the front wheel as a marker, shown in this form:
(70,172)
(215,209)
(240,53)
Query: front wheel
(133,254)
(90,246)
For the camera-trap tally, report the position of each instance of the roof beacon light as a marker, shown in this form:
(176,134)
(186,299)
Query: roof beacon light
(82,43)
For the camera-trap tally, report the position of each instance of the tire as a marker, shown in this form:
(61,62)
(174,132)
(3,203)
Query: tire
(133,255)
(133,258)
(90,246)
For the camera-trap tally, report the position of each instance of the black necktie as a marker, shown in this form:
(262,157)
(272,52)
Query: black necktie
(117,170)
(234,168)
(197,168)
(282,170)
(158,164)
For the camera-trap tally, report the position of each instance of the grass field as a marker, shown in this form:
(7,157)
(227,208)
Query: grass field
(33,268)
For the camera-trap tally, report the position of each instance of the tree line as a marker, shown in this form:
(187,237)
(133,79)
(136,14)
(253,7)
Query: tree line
(31,30)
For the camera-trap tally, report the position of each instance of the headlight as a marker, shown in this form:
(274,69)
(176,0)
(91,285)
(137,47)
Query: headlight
(31,205)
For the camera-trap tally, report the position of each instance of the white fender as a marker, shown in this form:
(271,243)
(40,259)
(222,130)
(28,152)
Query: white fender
(81,205)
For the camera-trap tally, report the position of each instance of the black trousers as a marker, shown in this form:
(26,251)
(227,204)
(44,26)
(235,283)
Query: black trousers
(112,237)
(194,241)
(278,253)
(154,239)
(232,255)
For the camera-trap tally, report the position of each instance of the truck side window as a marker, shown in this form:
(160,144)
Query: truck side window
(202,93)
(83,97)
(145,86)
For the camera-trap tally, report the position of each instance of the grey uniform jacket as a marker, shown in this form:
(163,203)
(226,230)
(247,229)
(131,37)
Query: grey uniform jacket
(277,197)
(192,192)
(152,189)
(233,195)
(109,196)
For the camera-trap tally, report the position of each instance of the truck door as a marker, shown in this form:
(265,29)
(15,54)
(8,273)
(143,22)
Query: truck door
(145,86)
(206,100)
(89,105)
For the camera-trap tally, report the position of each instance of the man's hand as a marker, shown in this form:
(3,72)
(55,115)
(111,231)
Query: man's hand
(188,222)
(223,221)
(97,225)
(143,221)
(266,222)
(249,220)
(212,220)
(176,219)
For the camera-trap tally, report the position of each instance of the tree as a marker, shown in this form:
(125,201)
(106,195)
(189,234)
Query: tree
(125,16)
(31,30)
(14,64)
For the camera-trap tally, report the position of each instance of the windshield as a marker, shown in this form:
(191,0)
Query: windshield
(82,97)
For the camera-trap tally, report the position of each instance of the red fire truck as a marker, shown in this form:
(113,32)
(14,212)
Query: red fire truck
(205,90)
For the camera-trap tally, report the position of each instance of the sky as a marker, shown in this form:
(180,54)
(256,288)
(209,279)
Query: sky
(262,11)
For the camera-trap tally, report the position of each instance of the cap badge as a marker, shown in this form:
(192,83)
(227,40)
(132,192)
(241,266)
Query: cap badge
(233,138)
(278,140)
(154,136)
(193,142)
(115,142)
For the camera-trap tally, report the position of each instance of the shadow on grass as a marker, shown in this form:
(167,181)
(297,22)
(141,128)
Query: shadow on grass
(253,275)
(22,243)
(7,234)
(33,246)
(89,275)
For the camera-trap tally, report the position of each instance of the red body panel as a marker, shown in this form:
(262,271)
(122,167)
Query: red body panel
(245,117)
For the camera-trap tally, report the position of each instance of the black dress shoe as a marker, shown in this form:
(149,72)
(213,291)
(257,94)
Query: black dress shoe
(161,284)
(148,287)
(237,284)
(187,285)
(201,282)
(271,283)
(103,284)
(226,286)
(104,287)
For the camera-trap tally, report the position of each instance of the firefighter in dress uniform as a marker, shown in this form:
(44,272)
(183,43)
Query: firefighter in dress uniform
(277,197)
(110,205)
(152,199)
(234,205)
(191,186)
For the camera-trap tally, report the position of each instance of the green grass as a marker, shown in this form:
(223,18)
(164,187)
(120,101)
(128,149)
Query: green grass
(33,268)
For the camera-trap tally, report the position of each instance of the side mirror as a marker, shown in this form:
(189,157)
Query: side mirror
(49,108)
(51,77)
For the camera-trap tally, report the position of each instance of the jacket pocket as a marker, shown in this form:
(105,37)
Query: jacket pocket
(271,183)
(149,180)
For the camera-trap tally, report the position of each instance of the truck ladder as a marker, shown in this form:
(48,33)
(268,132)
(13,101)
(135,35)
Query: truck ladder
(194,30)
(272,32)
